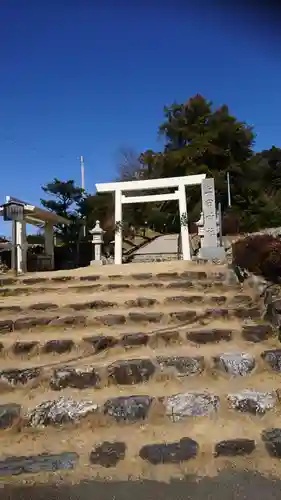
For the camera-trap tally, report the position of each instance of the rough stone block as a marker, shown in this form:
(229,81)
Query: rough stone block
(10,309)
(95,304)
(219,300)
(184,365)
(75,378)
(62,279)
(9,415)
(235,363)
(60,411)
(85,288)
(191,404)
(194,275)
(253,402)
(22,348)
(8,281)
(234,447)
(248,313)
(183,315)
(257,333)
(151,285)
(30,322)
(166,337)
(108,454)
(93,277)
(273,359)
(242,300)
(58,346)
(272,441)
(141,302)
(101,342)
(116,286)
(128,408)
(170,453)
(16,376)
(42,306)
(217,313)
(184,299)
(150,317)
(130,372)
(134,339)
(33,281)
(14,466)
(209,336)
(180,285)
(111,319)
(78,320)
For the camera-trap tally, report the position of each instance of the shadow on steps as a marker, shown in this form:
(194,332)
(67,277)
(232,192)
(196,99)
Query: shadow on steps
(240,485)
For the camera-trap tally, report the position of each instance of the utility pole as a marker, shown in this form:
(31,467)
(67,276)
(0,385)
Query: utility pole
(83,185)
(228,189)
(82,172)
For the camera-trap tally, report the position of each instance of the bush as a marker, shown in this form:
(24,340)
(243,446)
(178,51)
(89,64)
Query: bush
(259,254)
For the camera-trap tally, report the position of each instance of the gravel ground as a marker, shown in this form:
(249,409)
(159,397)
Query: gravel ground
(227,486)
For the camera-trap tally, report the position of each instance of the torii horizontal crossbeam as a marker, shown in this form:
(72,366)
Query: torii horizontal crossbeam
(167,182)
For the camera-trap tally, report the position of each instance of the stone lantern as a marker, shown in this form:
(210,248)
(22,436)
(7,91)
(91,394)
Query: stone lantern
(97,233)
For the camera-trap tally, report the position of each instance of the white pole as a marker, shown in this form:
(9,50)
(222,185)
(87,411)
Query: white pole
(82,172)
(118,230)
(83,185)
(228,189)
(184,223)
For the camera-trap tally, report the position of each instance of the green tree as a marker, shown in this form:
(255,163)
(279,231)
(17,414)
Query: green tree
(66,202)
(199,138)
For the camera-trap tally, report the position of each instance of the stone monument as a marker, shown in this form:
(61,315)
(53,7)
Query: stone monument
(97,241)
(210,249)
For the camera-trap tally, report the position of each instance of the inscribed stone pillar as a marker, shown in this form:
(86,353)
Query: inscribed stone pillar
(210,238)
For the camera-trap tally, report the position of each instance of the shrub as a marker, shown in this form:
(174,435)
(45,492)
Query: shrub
(259,254)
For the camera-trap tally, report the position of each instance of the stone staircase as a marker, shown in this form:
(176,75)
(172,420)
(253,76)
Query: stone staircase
(123,368)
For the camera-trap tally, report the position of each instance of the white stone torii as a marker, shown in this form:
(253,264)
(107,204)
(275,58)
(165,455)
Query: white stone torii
(179,183)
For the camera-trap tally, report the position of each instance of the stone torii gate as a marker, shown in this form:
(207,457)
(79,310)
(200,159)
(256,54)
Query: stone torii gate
(178,183)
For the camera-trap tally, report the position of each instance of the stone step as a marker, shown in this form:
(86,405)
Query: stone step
(160,315)
(72,301)
(156,366)
(137,271)
(148,451)
(128,339)
(222,276)
(150,403)
(27,285)
(113,286)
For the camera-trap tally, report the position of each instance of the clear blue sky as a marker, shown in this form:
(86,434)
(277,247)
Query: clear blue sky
(90,80)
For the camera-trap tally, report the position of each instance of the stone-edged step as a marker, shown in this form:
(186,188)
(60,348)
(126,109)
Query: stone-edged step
(185,279)
(132,340)
(150,449)
(142,408)
(102,301)
(153,366)
(179,314)
(119,286)
(213,273)
(105,286)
